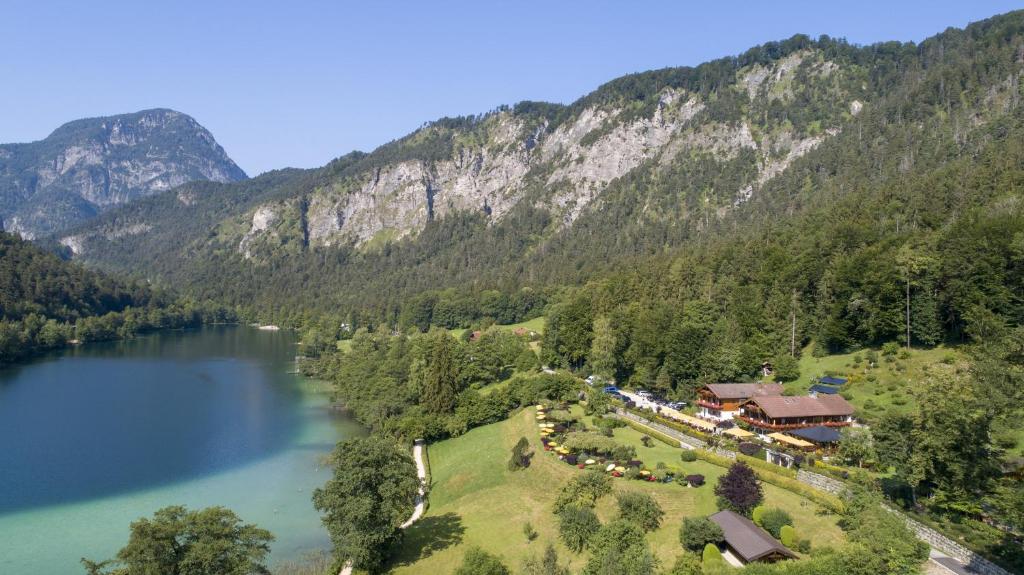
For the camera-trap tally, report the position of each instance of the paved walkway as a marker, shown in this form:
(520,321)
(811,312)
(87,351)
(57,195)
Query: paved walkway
(421,504)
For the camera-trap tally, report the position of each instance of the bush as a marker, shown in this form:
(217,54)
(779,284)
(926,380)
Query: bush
(712,557)
(529,532)
(479,562)
(739,489)
(521,453)
(803,545)
(647,441)
(697,532)
(687,564)
(773,520)
(890,349)
(640,508)
(584,490)
(576,525)
(695,480)
(757,514)
(749,449)
(688,456)
(788,536)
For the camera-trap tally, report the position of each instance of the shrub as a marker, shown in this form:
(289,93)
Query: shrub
(687,564)
(712,557)
(695,480)
(647,441)
(640,508)
(529,532)
(479,562)
(688,456)
(576,525)
(749,449)
(520,458)
(739,489)
(696,532)
(890,349)
(788,536)
(773,520)
(584,490)
(758,513)
(803,545)
(631,473)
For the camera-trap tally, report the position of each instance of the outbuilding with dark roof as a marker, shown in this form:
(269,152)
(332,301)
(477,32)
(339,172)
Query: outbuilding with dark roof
(747,541)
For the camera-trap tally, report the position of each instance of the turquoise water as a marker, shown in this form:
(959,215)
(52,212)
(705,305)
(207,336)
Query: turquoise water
(95,437)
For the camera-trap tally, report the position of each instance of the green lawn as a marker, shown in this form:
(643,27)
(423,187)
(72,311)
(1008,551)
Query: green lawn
(475,500)
(887,385)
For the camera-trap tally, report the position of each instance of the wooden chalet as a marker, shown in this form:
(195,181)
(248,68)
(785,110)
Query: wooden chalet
(783,413)
(722,401)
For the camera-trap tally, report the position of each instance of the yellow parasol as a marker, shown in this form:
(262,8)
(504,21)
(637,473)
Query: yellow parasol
(541,416)
(552,444)
(645,472)
(611,467)
(620,469)
(590,462)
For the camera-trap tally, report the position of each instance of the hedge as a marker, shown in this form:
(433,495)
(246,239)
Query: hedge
(770,476)
(652,432)
(769,467)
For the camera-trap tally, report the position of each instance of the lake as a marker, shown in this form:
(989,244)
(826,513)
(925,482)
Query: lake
(96,436)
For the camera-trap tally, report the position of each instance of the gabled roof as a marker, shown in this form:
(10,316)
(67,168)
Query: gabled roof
(824,389)
(803,406)
(829,380)
(749,541)
(743,390)
(820,434)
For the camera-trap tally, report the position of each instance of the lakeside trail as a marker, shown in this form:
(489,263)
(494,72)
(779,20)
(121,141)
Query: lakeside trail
(421,472)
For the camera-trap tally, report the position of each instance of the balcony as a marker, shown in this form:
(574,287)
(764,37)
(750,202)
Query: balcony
(708,404)
(762,424)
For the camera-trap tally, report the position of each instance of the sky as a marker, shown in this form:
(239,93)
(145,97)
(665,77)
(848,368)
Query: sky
(298,83)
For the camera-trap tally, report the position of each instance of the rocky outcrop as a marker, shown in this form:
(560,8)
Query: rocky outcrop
(88,166)
(564,169)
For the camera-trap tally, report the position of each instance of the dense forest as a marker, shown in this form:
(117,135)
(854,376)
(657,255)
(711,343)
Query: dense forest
(46,302)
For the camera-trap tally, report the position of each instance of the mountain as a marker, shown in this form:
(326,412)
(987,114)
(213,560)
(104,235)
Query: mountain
(780,169)
(88,166)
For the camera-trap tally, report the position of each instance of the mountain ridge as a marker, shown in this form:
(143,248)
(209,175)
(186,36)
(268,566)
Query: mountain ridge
(89,165)
(541,194)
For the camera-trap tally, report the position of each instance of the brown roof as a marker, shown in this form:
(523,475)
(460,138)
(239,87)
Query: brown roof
(743,390)
(803,406)
(749,541)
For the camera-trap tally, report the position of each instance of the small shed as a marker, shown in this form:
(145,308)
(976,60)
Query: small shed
(748,541)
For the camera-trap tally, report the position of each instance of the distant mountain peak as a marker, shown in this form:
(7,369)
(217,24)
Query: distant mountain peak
(89,165)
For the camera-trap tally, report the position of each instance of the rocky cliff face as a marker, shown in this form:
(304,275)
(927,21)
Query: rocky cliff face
(506,158)
(87,166)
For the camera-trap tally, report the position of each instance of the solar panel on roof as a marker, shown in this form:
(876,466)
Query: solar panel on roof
(832,380)
(824,389)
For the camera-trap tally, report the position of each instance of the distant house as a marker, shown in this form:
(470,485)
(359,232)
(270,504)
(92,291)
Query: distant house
(747,541)
(721,401)
(783,413)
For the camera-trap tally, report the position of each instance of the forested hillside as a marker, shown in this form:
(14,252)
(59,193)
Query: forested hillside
(45,302)
(909,166)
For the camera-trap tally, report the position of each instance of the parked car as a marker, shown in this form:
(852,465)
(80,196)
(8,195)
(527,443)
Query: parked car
(677,405)
(610,389)
(644,394)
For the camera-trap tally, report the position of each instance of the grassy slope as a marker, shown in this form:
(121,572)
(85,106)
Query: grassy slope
(894,378)
(536,324)
(476,501)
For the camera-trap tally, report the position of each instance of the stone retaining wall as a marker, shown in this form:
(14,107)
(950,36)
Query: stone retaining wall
(686,441)
(820,482)
(972,560)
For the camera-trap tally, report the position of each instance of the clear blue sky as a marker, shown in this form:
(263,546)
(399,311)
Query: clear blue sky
(295,83)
